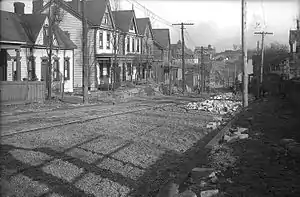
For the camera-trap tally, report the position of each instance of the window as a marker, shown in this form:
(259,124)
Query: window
(56,70)
(31,69)
(101,40)
(67,68)
(105,18)
(44,67)
(131,26)
(138,45)
(133,45)
(108,40)
(45,35)
(128,44)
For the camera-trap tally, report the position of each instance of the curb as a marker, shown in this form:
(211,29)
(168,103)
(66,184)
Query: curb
(218,137)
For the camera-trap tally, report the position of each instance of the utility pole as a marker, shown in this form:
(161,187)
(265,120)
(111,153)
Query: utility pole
(84,54)
(182,50)
(263,33)
(202,69)
(257,72)
(199,72)
(50,42)
(115,59)
(244,54)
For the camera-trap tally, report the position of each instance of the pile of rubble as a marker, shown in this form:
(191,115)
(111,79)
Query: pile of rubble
(235,134)
(221,104)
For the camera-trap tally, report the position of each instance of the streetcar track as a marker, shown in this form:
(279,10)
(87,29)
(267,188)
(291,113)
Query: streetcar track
(107,106)
(145,107)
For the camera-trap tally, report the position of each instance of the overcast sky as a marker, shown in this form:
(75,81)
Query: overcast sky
(215,22)
(218,22)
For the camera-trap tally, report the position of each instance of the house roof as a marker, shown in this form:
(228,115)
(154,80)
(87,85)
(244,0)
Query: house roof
(62,39)
(94,10)
(142,24)
(162,36)
(123,19)
(26,28)
(11,29)
(32,24)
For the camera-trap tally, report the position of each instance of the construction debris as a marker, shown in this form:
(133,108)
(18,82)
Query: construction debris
(209,193)
(235,134)
(221,104)
(292,147)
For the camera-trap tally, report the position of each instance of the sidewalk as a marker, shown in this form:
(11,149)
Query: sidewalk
(263,164)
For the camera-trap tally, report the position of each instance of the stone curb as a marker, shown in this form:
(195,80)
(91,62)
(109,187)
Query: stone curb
(216,140)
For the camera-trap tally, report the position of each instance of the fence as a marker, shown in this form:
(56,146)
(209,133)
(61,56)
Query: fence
(21,92)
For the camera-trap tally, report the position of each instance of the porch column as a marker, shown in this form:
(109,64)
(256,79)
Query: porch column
(18,64)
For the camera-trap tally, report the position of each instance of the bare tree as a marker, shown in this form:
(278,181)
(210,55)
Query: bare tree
(55,16)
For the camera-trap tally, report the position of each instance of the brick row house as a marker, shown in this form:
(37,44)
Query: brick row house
(135,42)
(24,49)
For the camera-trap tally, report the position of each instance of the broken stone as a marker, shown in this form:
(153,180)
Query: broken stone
(211,125)
(294,149)
(241,130)
(187,193)
(286,141)
(201,173)
(209,193)
(170,189)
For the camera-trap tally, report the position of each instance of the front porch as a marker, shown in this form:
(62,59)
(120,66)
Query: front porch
(133,68)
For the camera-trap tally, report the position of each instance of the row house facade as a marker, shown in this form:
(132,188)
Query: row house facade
(162,50)
(24,49)
(294,41)
(134,44)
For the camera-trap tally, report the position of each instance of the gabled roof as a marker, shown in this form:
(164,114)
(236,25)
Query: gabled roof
(142,24)
(11,30)
(95,10)
(32,24)
(123,19)
(25,28)
(63,40)
(162,36)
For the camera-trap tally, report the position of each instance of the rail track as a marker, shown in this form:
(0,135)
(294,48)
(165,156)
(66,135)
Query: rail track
(80,121)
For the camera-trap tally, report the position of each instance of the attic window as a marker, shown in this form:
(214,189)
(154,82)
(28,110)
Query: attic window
(105,18)
(45,35)
(131,26)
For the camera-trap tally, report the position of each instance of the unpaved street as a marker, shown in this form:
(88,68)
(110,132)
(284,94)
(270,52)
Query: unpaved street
(116,155)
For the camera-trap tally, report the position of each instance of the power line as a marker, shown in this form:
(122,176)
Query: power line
(190,38)
(152,15)
(263,12)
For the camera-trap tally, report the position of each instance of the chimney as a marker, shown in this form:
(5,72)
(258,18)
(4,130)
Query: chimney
(19,7)
(37,5)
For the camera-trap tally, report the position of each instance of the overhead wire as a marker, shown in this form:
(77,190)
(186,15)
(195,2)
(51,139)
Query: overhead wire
(152,15)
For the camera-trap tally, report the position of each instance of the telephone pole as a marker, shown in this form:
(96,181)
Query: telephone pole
(182,50)
(263,33)
(202,69)
(84,54)
(244,53)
